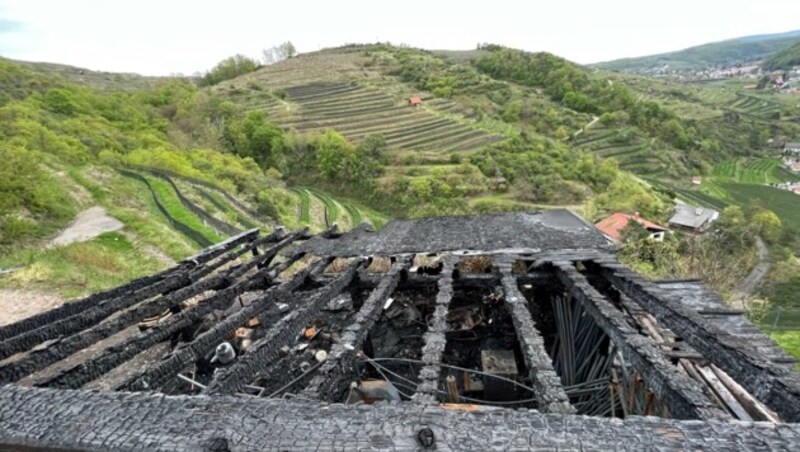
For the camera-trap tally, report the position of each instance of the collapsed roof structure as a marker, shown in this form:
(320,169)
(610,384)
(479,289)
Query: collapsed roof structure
(486,332)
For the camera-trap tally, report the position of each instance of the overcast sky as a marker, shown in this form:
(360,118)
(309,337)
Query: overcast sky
(168,36)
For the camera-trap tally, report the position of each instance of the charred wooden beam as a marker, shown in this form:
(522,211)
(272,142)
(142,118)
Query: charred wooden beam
(434,338)
(682,395)
(465,281)
(91,316)
(206,342)
(328,379)
(79,375)
(550,394)
(262,353)
(276,236)
(75,324)
(776,386)
(214,251)
(75,307)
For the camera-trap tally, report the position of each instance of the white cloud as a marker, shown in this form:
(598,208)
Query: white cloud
(162,37)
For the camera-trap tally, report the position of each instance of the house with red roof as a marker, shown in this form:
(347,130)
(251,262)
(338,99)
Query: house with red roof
(414,101)
(613,225)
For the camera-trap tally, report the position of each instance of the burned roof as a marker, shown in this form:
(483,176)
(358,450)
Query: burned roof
(536,337)
(531,232)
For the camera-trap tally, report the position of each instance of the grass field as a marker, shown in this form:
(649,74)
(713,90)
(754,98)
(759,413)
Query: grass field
(132,203)
(169,199)
(783,202)
(106,261)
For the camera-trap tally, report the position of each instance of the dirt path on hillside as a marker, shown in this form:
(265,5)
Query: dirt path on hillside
(87,225)
(16,304)
(583,129)
(751,281)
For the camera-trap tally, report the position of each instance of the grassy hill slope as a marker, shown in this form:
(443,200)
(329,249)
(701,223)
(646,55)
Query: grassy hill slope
(68,148)
(728,52)
(784,59)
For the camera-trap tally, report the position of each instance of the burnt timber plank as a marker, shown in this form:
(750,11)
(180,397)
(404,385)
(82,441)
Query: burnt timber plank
(775,386)
(337,367)
(550,394)
(267,349)
(683,396)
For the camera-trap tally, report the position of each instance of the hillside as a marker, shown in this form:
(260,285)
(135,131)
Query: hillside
(451,154)
(330,136)
(724,53)
(784,59)
(105,81)
(102,186)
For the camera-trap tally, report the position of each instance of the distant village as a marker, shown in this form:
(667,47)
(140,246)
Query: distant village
(791,161)
(783,82)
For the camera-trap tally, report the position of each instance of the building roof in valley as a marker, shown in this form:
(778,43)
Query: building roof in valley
(692,217)
(613,225)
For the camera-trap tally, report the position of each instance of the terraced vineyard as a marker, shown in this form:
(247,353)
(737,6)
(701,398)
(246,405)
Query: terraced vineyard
(783,202)
(218,206)
(698,198)
(356,111)
(633,152)
(756,171)
(753,105)
(320,210)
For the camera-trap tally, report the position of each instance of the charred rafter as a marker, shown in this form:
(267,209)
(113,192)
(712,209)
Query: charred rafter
(86,318)
(114,356)
(76,307)
(683,396)
(206,341)
(434,338)
(550,393)
(262,352)
(777,387)
(40,358)
(330,377)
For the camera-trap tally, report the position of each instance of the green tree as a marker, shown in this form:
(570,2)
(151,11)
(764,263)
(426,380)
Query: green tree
(767,225)
(60,101)
(278,53)
(334,154)
(230,68)
(254,136)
